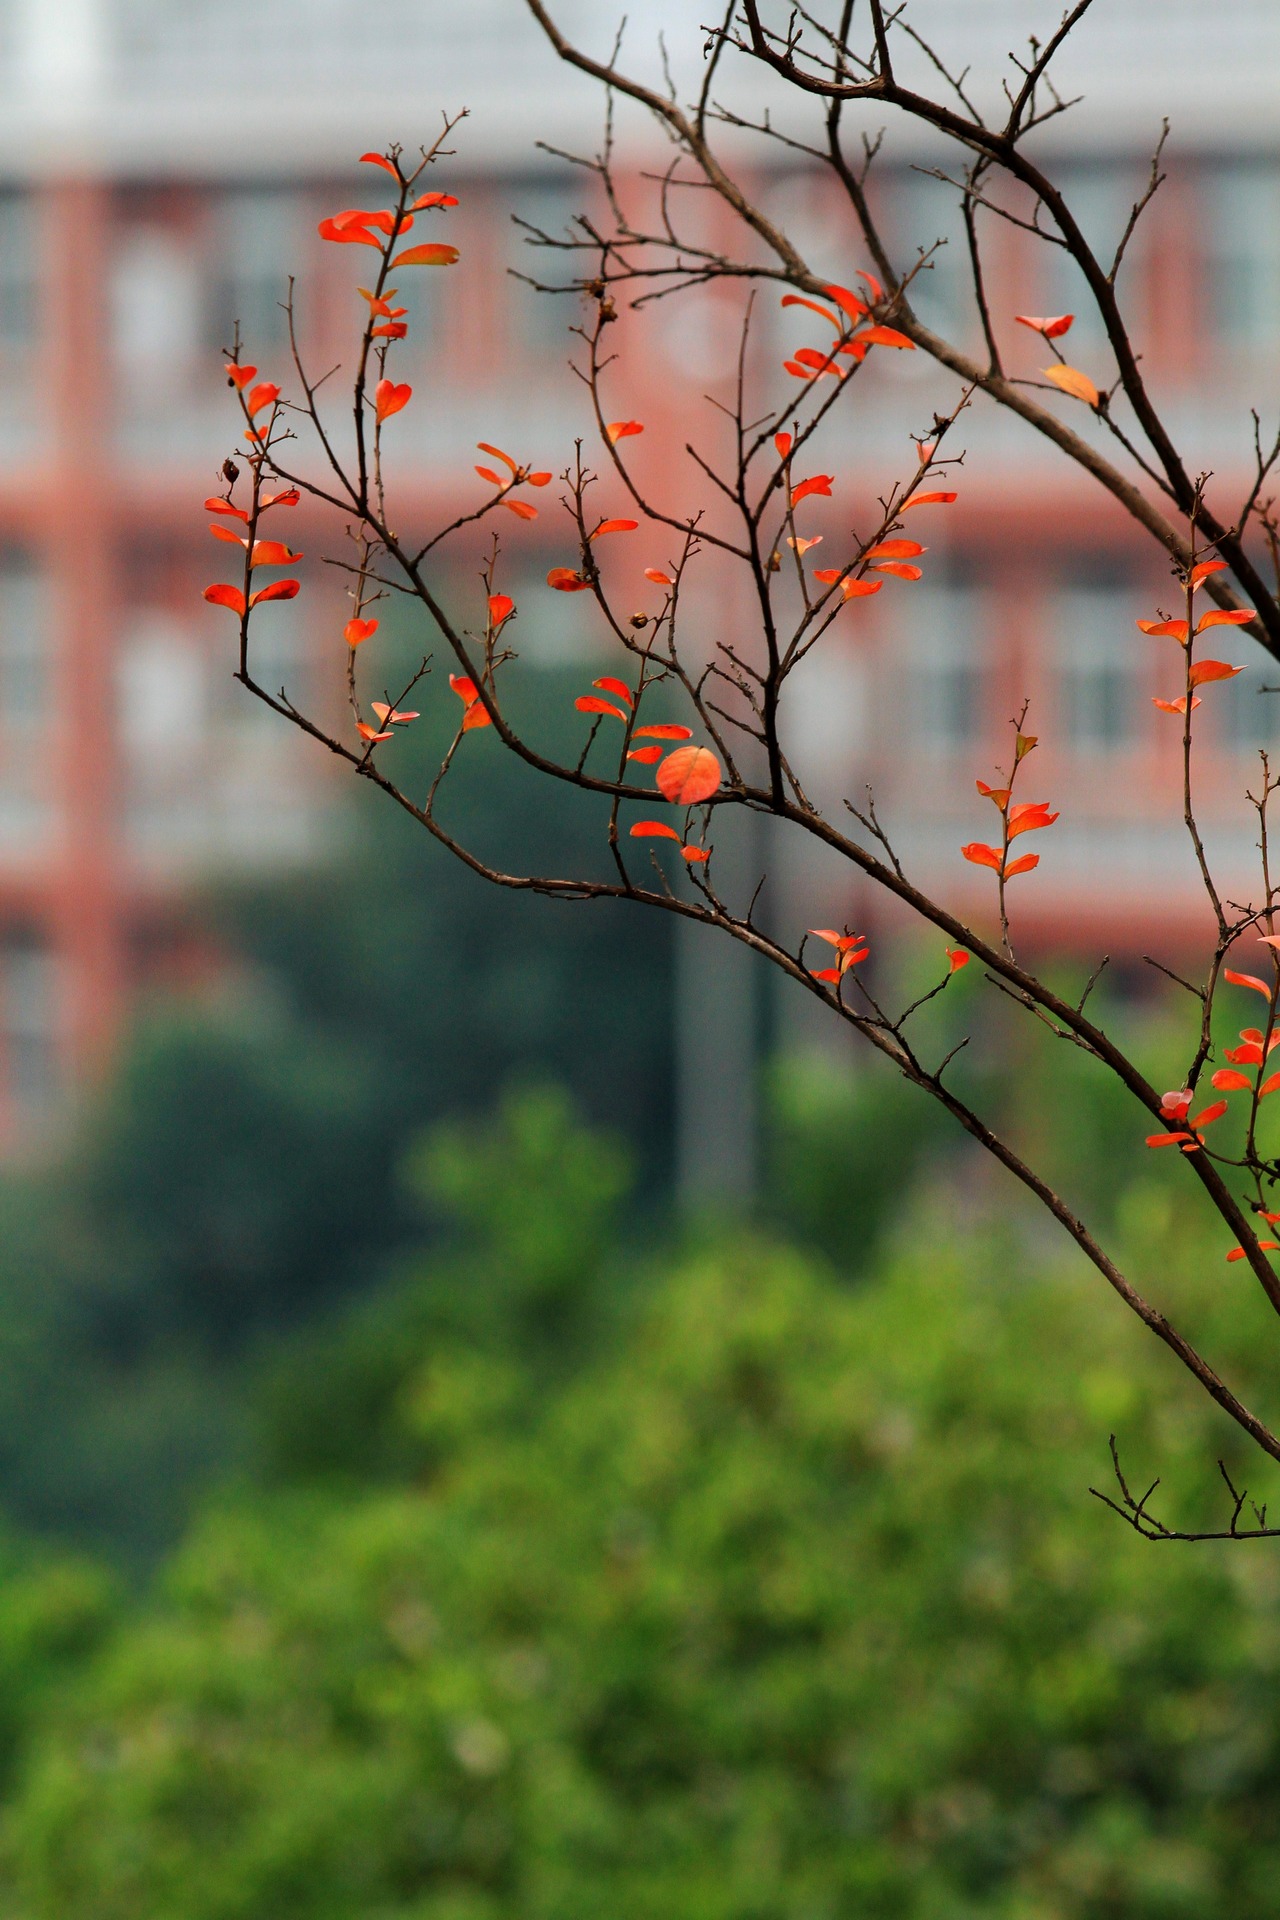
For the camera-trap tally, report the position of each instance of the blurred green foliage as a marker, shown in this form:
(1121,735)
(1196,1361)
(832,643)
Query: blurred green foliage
(698,1585)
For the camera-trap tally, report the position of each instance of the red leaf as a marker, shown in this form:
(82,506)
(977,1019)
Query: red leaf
(1227,1080)
(958,958)
(873,285)
(664,731)
(592,703)
(225,596)
(646,755)
(622,429)
(982,856)
(289,498)
(278,590)
(615,526)
(849,302)
(1052,329)
(521,509)
(858,589)
(501,607)
(1247,980)
(369,733)
(689,775)
(798,300)
(225,506)
(1164,629)
(464,687)
(620,687)
(1212,670)
(819,483)
(1202,570)
(538,479)
(886,337)
(782,444)
(239,376)
(800,373)
(653,830)
(435,200)
(659,579)
(1207,1115)
(1225,617)
(379,160)
(475,715)
(565,580)
(1029,817)
(390,717)
(895,550)
(1177,706)
(1165,1139)
(356,632)
(392,330)
(695,854)
(434,253)
(1022,865)
(927,500)
(225,533)
(901,568)
(831,974)
(817,362)
(1269,1085)
(347,236)
(388,398)
(1267,1246)
(271,553)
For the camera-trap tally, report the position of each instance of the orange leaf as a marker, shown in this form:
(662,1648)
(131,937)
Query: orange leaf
(1212,670)
(239,376)
(356,632)
(538,479)
(1022,865)
(646,755)
(695,854)
(689,775)
(347,235)
(1267,1246)
(621,429)
(982,856)
(1028,817)
(1247,980)
(289,498)
(819,483)
(782,444)
(592,703)
(902,569)
(272,553)
(379,160)
(435,200)
(389,716)
(369,733)
(895,550)
(664,731)
(565,580)
(831,974)
(521,509)
(435,253)
(232,539)
(263,395)
(801,547)
(1202,570)
(278,590)
(1164,629)
(225,596)
(615,526)
(859,589)
(1177,706)
(620,687)
(873,285)
(659,579)
(653,830)
(388,398)
(1071,380)
(1225,617)
(1165,1139)
(958,958)
(224,506)
(1000,795)
(1269,1085)
(1052,328)
(927,500)
(886,337)
(501,607)
(464,687)
(475,716)
(1227,1080)
(498,454)
(1207,1115)
(487,473)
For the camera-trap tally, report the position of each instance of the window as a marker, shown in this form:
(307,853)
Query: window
(1101,199)
(944,683)
(155,310)
(1248,713)
(927,220)
(161,690)
(1243,206)
(259,237)
(24,643)
(1099,666)
(31,1014)
(17,273)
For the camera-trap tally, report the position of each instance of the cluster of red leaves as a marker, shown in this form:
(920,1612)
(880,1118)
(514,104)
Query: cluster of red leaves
(569,580)
(262,553)
(1025,817)
(852,339)
(1199,672)
(515,476)
(1066,379)
(851,949)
